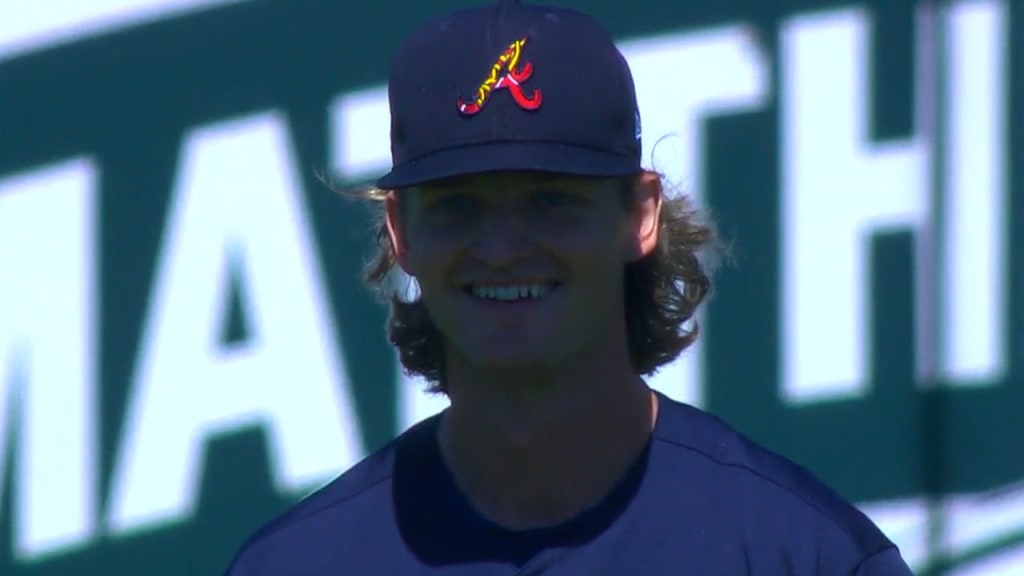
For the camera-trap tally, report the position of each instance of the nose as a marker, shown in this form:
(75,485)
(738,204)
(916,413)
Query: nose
(503,238)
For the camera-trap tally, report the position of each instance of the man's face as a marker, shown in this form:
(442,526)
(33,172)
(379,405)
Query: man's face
(517,270)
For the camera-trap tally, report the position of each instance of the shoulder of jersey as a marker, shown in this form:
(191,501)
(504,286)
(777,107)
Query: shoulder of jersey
(703,439)
(363,479)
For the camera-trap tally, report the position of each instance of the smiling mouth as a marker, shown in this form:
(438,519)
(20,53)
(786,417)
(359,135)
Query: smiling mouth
(511,292)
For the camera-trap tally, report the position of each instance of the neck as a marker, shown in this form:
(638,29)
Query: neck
(537,449)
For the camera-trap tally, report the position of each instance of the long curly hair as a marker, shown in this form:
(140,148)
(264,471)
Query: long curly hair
(663,290)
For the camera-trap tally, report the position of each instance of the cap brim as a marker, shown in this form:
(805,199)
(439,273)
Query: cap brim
(509,156)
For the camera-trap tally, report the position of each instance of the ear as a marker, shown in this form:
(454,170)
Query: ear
(645,215)
(396,231)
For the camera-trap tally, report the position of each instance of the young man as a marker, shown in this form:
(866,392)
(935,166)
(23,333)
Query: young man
(554,273)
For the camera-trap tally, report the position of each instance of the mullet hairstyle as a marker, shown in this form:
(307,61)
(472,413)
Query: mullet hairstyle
(663,289)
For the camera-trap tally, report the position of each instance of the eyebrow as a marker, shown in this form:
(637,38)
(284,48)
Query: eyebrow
(457,183)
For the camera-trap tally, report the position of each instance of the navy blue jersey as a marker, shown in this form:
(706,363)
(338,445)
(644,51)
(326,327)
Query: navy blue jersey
(702,500)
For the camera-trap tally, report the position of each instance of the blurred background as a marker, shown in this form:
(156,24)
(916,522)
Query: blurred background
(185,347)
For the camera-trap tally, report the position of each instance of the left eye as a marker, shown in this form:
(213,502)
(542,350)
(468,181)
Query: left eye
(553,199)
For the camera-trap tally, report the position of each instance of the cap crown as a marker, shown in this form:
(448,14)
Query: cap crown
(511,74)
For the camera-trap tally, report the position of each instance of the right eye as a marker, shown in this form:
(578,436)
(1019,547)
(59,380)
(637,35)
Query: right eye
(455,204)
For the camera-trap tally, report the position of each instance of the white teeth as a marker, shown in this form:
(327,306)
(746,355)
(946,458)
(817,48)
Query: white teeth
(507,293)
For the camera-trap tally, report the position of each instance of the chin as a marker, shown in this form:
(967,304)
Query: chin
(532,358)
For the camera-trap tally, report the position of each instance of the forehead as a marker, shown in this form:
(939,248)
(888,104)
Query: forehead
(510,182)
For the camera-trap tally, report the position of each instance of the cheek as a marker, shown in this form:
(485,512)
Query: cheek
(595,242)
(430,255)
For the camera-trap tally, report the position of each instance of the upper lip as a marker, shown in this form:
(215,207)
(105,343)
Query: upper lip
(502,283)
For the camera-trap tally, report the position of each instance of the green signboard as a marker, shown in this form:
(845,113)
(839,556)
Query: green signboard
(185,348)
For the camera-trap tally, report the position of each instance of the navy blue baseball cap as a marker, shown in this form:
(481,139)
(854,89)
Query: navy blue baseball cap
(511,86)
